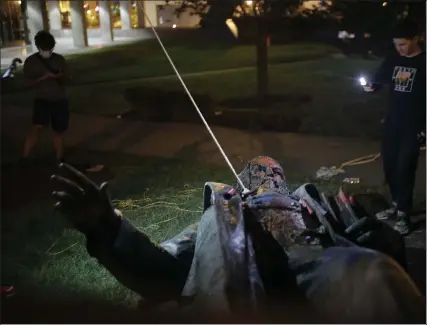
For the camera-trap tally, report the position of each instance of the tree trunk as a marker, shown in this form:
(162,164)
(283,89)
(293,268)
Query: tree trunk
(24,17)
(262,60)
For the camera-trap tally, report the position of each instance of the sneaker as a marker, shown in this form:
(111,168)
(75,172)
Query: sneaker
(391,212)
(403,224)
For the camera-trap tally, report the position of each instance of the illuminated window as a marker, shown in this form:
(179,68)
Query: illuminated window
(115,14)
(134,14)
(91,10)
(64,7)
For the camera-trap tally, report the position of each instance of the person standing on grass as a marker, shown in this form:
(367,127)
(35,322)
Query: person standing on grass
(46,73)
(405,120)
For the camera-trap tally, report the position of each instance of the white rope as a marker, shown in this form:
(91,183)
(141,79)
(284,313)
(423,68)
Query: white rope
(245,190)
(326,173)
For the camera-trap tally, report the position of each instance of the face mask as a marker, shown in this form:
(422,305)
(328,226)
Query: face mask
(45,54)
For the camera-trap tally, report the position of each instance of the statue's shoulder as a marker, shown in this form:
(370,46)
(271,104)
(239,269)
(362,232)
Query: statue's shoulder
(213,193)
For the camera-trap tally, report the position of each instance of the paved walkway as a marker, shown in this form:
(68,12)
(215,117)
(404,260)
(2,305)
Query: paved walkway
(64,45)
(302,154)
(299,154)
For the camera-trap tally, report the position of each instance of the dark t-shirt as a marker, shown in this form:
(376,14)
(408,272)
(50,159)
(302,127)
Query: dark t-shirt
(406,78)
(49,89)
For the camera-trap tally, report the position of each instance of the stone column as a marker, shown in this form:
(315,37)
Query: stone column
(140,10)
(105,21)
(125,14)
(36,19)
(78,23)
(150,8)
(54,14)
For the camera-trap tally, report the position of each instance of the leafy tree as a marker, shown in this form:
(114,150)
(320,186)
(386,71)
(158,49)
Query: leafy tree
(374,17)
(263,13)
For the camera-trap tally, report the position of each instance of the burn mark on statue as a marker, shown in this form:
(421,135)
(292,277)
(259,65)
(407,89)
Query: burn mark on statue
(270,202)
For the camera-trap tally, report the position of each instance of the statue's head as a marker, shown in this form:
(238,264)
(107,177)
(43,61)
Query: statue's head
(264,173)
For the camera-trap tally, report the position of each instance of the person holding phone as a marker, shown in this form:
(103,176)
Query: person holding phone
(46,73)
(405,120)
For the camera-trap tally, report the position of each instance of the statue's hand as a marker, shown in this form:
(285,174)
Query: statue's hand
(86,205)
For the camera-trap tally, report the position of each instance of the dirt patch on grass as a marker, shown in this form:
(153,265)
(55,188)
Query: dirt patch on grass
(163,106)
(157,105)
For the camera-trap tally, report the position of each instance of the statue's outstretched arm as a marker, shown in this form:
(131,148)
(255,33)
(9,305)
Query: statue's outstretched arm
(126,252)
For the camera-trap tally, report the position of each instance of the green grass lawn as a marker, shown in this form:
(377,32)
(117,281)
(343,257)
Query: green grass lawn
(53,259)
(42,256)
(39,253)
(146,59)
(141,60)
(337,105)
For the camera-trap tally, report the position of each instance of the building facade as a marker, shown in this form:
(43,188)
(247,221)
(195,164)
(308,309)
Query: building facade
(103,19)
(82,20)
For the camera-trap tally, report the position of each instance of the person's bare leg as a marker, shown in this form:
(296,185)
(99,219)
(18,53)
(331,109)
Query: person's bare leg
(31,140)
(58,143)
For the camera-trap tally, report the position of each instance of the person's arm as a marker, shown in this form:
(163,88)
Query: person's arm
(383,76)
(63,76)
(32,79)
(422,123)
(422,105)
(138,263)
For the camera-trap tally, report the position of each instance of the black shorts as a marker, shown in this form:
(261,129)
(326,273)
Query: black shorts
(54,113)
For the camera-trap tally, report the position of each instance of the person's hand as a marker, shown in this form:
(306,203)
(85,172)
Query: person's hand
(368,88)
(377,235)
(57,75)
(86,205)
(47,75)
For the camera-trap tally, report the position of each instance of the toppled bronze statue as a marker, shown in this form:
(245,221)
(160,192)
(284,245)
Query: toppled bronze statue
(281,256)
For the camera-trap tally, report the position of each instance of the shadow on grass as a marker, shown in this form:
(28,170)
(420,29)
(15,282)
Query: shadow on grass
(158,105)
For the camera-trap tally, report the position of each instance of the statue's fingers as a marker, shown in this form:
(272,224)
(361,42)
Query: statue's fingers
(62,196)
(104,190)
(78,177)
(57,206)
(66,203)
(69,186)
